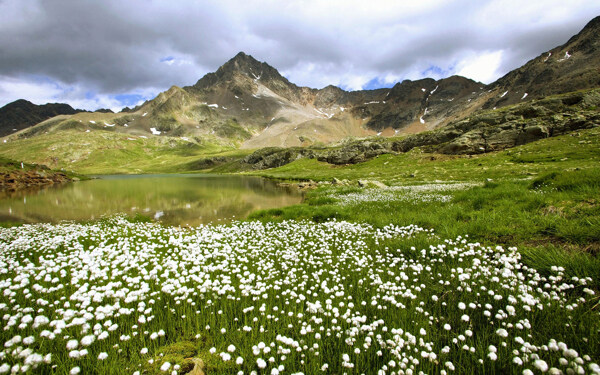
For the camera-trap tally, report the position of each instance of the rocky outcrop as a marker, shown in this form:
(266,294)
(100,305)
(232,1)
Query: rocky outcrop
(19,180)
(207,163)
(272,157)
(521,124)
(484,132)
(356,152)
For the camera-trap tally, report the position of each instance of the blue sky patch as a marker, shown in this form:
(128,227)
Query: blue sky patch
(129,100)
(378,83)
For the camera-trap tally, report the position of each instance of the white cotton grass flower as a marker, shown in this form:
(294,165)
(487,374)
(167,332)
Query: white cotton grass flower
(75,370)
(541,365)
(72,344)
(28,340)
(261,363)
(88,340)
(165,367)
(317,283)
(502,332)
(517,361)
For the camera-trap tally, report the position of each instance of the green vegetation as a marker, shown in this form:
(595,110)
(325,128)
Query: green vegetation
(232,129)
(576,150)
(464,264)
(294,297)
(9,165)
(542,197)
(105,152)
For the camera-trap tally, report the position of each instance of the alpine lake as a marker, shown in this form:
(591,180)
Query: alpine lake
(180,199)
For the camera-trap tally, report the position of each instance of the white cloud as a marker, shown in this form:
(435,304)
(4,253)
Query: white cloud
(35,91)
(482,67)
(40,91)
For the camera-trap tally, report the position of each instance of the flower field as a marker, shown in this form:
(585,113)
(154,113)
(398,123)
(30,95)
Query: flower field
(116,297)
(402,193)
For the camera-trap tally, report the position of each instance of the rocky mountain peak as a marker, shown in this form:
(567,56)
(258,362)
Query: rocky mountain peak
(594,24)
(245,64)
(586,41)
(565,68)
(241,64)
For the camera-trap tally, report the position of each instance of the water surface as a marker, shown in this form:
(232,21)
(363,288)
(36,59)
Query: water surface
(171,199)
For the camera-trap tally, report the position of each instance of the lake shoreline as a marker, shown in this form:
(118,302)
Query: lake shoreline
(22,180)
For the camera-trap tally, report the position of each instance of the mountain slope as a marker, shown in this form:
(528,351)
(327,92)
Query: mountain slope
(22,114)
(569,67)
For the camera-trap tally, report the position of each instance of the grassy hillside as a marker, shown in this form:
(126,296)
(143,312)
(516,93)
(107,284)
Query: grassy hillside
(575,150)
(542,197)
(105,152)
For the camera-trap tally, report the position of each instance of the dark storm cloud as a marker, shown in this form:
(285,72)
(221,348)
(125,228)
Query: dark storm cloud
(93,52)
(99,43)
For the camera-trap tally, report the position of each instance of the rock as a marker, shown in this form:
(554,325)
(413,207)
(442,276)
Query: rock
(20,179)
(272,157)
(378,184)
(469,143)
(371,183)
(199,366)
(502,140)
(356,152)
(532,133)
(307,185)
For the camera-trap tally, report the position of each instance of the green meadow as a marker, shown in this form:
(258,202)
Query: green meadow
(481,264)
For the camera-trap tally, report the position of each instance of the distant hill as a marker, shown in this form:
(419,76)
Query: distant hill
(22,114)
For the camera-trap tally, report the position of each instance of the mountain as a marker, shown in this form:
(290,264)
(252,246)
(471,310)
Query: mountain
(569,67)
(249,104)
(22,114)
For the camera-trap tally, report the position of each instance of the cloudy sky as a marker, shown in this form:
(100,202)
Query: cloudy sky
(113,53)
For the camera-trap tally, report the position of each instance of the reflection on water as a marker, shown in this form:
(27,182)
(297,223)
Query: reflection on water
(171,199)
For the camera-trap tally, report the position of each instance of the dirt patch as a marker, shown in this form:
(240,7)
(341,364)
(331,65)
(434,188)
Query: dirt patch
(20,180)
